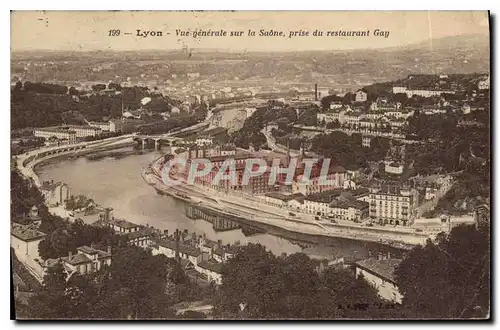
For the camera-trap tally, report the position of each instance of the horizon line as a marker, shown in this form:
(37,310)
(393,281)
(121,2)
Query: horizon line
(245,50)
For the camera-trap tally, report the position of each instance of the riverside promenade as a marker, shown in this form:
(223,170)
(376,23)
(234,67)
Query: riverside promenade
(251,209)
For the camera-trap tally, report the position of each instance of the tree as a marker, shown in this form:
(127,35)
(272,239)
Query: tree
(251,279)
(73,91)
(98,87)
(256,284)
(55,279)
(137,291)
(449,278)
(192,315)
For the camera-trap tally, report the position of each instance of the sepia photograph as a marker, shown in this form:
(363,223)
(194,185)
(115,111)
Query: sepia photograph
(250,165)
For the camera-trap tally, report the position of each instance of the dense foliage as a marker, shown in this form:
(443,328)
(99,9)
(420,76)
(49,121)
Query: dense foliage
(40,104)
(347,150)
(449,278)
(259,285)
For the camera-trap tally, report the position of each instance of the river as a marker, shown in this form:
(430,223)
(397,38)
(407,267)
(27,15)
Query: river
(116,182)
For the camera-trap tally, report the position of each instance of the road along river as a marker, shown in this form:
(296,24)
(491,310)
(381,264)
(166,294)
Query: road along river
(115,181)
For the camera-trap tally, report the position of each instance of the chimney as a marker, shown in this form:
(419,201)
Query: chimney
(219,244)
(70,255)
(389,255)
(380,256)
(165,232)
(177,245)
(315,92)
(109,249)
(92,245)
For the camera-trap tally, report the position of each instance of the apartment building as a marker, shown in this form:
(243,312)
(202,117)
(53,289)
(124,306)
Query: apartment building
(393,204)
(70,132)
(59,133)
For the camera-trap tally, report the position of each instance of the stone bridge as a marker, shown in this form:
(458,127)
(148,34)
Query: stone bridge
(158,140)
(61,150)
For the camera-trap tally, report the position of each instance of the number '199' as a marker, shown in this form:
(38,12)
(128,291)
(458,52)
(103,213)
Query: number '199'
(113,33)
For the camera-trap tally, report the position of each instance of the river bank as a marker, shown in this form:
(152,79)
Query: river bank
(247,214)
(118,183)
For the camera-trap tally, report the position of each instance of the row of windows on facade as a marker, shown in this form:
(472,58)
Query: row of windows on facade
(393,198)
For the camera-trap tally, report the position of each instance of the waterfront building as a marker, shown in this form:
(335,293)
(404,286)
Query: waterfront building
(24,239)
(104,126)
(85,130)
(340,208)
(393,204)
(168,247)
(318,183)
(56,132)
(256,184)
(349,209)
(55,193)
(316,207)
(204,151)
(380,274)
(141,238)
(70,132)
(123,226)
(279,199)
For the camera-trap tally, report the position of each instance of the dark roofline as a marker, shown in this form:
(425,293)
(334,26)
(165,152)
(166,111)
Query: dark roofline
(40,235)
(371,271)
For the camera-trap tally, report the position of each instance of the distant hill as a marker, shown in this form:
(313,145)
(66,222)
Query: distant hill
(450,55)
(453,42)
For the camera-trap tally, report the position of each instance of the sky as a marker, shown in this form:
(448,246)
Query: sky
(89,30)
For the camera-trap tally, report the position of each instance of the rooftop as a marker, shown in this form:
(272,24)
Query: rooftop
(26,232)
(211,265)
(183,248)
(50,185)
(76,259)
(224,157)
(339,203)
(123,223)
(143,232)
(90,250)
(383,268)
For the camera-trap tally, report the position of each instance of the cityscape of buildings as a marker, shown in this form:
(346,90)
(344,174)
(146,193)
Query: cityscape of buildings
(370,170)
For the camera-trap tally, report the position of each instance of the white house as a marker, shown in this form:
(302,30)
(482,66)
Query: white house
(211,269)
(55,193)
(380,274)
(87,260)
(361,96)
(24,239)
